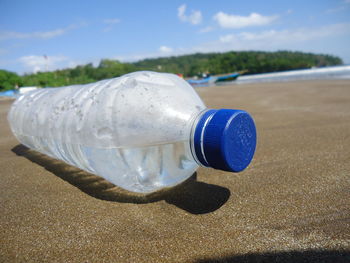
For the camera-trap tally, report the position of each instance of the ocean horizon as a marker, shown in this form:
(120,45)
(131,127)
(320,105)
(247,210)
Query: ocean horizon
(333,72)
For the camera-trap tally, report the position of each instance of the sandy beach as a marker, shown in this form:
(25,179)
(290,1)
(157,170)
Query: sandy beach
(291,204)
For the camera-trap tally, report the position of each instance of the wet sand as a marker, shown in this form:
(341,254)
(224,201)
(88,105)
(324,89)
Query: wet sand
(292,203)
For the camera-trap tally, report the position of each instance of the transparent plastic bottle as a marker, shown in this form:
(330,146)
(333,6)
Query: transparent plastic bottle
(143,131)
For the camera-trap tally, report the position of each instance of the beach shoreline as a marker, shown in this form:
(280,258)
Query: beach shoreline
(291,204)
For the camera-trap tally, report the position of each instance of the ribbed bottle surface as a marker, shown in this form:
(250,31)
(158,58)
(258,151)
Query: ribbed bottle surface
(133,130)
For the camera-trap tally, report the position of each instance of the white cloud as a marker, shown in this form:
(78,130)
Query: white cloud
(165,49)
(110,23)
(194,18)
(236,21)
(42,35)
(181,12)
(267,40)
(343,6)
(4,35)
(336,9)
(274,39)
(34,63)
(206,29)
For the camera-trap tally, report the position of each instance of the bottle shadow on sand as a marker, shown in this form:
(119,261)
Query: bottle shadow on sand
(311,255)
(192,196)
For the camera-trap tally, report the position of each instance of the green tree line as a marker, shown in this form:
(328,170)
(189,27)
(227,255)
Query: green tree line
(252,62)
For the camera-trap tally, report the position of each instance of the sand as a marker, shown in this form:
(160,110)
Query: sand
(292,203)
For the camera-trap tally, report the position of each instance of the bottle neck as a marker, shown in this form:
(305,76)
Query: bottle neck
(197,135)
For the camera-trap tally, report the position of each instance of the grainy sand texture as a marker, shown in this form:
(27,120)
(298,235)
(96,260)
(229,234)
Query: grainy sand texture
(291,204)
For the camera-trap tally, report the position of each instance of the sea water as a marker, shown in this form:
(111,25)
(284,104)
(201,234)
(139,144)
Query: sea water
(334,72)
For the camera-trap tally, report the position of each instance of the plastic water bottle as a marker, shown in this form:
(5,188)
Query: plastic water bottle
(143,131)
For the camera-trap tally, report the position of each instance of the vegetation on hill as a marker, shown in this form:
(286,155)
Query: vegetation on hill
(253,61)
(8,80)
(189,65)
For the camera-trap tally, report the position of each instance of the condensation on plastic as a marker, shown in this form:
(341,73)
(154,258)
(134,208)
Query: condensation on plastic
(134,131)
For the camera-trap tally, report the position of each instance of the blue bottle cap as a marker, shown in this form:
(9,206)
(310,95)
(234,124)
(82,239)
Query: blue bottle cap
(225,139)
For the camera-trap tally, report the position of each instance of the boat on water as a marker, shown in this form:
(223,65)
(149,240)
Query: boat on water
(214,79)
(8,93)
(13,93)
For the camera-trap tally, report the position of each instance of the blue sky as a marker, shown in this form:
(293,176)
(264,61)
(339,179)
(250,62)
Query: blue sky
(70,33)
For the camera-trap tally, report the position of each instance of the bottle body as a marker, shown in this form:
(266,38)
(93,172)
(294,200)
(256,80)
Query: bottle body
(134,131)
